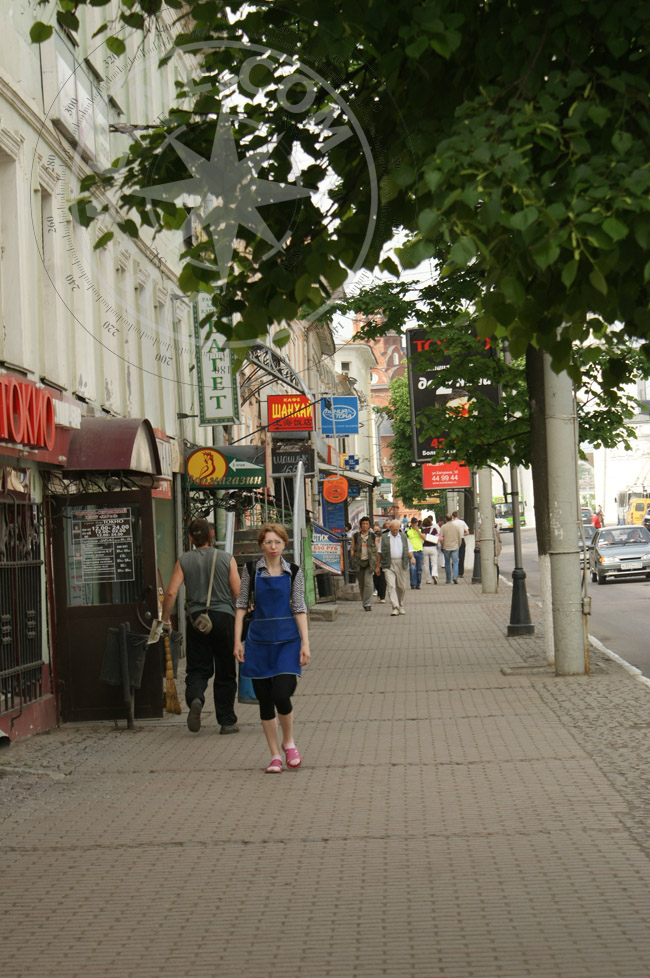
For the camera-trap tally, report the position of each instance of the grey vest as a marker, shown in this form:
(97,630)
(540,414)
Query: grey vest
(196,570)
(385,549)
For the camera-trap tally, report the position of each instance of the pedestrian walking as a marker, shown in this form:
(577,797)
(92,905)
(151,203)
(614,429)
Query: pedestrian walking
(363,559)
(430,550)
(211,587)
(416,539)
(451,536)
(379,579)
(393,558)
(461,550)
(277,642)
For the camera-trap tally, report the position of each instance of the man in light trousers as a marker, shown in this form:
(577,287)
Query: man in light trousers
(393,557)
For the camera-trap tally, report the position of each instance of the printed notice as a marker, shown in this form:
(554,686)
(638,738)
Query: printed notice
(102,542)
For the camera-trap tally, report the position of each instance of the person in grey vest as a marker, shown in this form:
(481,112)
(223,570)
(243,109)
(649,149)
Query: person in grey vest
(393,558)
(207,654)
(363,559)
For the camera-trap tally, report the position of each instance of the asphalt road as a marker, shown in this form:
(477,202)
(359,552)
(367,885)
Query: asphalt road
(619,610)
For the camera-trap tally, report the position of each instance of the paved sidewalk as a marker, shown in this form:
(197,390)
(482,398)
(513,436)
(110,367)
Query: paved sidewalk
(450,821)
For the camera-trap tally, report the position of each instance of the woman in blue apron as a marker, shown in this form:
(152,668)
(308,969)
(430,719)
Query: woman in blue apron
(277,642)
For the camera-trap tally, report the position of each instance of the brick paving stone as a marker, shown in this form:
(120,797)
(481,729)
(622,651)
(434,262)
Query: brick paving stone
(449,821)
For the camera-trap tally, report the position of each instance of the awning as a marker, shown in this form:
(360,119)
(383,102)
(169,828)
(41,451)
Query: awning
(114,445)
(351,476)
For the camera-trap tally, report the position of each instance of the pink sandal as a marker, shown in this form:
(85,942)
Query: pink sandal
(275,767)
(292,754)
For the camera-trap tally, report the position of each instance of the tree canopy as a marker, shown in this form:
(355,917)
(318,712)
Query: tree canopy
(512,138)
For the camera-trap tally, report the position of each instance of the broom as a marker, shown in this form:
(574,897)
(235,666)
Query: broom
(172,704)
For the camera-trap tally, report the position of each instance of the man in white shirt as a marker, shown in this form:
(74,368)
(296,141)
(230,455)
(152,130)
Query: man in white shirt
(461,551)
(393,557)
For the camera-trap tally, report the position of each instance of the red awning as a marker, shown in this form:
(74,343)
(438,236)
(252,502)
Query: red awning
(114,445)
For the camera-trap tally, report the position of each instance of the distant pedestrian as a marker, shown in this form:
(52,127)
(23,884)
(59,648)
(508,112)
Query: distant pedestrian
(393,558)
(210,652)
(379,579)
(451,536)
(363,558)
(498,547)
(416,539)
(430,550)
(601,516)
(277,643)
(595,521)
(461,550)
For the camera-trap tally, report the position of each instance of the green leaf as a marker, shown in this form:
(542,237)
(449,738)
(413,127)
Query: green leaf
(445,44)
(281,338)
(187,281)
(417,48)
(569,273)
(463,251)
(302,287)
(115,44)
(512,289)
(67,20)
(403,175)
(129,227)
(598,114)
(100,30)
(597,279)
(621,141)
(105,238)
(133,20)
(427,220)
(83,212)
(615,229)
(524,219)
(646,272)
(40,32)
(546,253)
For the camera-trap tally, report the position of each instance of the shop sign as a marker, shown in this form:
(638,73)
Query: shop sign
(334,516)
(26,414)
(213,468)
(284,461)
(290,412)
(339,416)
(450,475)
(335,488)
(102,546)
(327,550)
(216,375)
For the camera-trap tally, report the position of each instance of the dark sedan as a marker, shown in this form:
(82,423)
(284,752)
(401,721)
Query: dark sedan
(622,551)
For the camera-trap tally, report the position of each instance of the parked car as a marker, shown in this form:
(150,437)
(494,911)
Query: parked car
(646,518)
(589,533)
(620,551)
(586,515)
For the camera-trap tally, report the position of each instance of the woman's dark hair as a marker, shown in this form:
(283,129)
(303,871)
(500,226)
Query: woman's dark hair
(273,528)
(200,531)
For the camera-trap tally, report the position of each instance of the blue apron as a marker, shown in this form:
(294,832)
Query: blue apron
(273,640)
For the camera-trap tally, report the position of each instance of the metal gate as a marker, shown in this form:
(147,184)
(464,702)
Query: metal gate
(21,652)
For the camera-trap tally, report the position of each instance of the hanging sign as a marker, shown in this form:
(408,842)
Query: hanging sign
(339,416)
(327,550)
(335,488)
(290,412)
(450,475)
(217,379)
(213,468)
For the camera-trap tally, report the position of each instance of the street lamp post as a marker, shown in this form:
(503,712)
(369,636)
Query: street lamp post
(520,623)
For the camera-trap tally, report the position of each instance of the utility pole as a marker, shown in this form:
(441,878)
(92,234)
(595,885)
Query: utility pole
(568,620)
(488,566)
(476,572)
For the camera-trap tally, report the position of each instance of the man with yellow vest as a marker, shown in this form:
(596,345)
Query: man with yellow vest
(416,540)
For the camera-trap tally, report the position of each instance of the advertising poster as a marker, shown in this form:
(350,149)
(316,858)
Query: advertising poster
(327,550)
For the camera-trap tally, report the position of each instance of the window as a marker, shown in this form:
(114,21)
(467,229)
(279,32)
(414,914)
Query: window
(345,368)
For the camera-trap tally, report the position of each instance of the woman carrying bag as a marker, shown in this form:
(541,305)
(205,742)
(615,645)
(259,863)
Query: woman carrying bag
(277,641)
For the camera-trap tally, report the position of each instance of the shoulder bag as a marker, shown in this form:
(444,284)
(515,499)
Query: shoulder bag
(203,623)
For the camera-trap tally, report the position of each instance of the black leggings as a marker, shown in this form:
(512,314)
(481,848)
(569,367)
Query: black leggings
(276,691)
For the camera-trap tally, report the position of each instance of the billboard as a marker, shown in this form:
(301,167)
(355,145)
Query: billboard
(446,475)
(290,412)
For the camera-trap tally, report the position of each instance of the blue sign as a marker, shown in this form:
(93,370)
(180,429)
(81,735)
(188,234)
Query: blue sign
(339,416)
(334,516)
(326,549)
(351,462)
(354,490)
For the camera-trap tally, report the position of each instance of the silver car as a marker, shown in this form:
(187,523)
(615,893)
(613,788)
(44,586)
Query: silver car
(621,551)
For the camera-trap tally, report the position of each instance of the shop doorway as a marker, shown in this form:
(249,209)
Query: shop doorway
(104,560)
